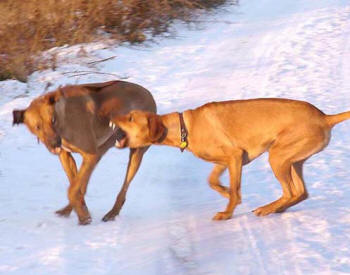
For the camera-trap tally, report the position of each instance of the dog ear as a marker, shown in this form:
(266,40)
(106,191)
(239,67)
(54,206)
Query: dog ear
(52,100)
(18,116)
(155,126)
(53,97)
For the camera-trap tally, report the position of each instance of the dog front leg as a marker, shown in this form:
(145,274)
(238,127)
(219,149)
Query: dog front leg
(70,168)
(235,170)
(214,180)
(77,189)
(135,159)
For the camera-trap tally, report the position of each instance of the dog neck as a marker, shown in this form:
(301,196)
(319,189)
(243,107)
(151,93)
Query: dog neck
(173,129)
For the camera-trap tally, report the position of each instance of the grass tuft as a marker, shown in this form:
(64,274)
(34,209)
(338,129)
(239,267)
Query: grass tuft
(32,26)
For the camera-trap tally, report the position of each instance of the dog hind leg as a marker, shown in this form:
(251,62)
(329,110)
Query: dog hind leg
(286,160)
(299,192)
(282,170)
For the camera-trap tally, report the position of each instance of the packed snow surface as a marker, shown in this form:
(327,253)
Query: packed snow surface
(297,49)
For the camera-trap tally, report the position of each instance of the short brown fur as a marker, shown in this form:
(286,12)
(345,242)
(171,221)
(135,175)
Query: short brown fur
(233,133)
(117,97)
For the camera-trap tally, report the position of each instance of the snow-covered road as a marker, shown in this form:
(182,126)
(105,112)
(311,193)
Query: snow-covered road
(259,48)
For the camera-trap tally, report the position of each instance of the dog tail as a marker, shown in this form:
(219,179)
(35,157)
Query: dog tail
(335,119)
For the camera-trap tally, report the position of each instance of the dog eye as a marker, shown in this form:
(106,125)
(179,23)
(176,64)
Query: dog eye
(131,119)
(37,127)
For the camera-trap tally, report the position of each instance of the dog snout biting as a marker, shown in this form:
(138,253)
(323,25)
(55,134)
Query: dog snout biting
(120,134)
(120,138)
(112,125)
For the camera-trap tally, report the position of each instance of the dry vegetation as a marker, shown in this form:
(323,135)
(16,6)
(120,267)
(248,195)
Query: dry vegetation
(31,26)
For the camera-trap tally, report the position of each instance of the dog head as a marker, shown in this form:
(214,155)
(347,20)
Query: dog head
(39,118)
(137,129)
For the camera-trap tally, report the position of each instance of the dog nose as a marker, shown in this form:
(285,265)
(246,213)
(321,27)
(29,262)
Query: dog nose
(56,142)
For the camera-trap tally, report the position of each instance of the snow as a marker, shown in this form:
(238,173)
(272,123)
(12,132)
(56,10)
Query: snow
(267,48)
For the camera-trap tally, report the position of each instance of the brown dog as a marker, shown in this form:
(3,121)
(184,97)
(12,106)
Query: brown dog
(233,133)
(76,119)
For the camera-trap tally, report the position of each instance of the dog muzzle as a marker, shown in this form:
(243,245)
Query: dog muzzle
(120,138)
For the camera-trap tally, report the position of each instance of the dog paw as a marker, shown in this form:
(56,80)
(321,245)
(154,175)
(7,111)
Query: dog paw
(222,216)
(109,217)
(262,211)
(85,221)
(64,212)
